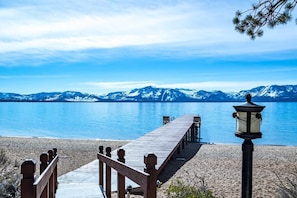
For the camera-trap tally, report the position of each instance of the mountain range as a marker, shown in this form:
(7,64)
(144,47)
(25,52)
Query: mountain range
(271,93)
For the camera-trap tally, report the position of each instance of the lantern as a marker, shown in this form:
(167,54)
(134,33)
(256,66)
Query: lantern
(248,119)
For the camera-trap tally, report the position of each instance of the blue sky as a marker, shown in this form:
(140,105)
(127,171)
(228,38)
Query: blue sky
(99,46)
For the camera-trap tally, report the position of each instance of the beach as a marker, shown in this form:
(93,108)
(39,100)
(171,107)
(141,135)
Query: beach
(218,165)
(72,153)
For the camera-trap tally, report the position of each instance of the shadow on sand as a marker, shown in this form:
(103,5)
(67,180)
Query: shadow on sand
(178,160)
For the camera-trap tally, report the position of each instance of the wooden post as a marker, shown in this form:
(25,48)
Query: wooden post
(166,119)
(192,133)
(50,155)
(50,184)
(55,152)
(150,161)
(199,131)
(108,174)
(197,122)
(101,168)
(28,169)
(56,171)
(44,160)
(178,149)
(188,135)
(121,178)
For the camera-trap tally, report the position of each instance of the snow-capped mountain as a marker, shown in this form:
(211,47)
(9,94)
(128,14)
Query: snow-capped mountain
(275,93)
(67,96)
(149,94)
(272,93)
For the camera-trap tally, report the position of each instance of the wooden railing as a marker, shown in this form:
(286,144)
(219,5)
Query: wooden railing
(147,179)
(46,184)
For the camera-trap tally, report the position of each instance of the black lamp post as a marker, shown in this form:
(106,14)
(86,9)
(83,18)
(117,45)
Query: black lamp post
(248,120)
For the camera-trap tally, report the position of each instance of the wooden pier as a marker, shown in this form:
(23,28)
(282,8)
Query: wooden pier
(163,142)
(146,156)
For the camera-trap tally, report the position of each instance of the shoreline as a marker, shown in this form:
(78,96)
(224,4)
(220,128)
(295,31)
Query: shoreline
(73,153)
(61,138)
(129,140)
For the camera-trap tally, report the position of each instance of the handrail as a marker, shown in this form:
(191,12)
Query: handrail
(147,179)
(46,184)
(135,175)
(42,181)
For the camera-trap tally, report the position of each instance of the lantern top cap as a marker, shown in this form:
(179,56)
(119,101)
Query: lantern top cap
(249,106)
(248,98)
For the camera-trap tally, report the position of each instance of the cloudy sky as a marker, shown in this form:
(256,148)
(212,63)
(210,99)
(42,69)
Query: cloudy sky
(99,46)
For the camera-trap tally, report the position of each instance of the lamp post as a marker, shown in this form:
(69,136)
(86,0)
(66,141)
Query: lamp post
(248,120)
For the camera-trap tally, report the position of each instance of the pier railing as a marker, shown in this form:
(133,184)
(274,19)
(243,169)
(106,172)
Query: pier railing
(147,179)
(46,184)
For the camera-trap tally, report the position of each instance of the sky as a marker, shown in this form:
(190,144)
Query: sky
(101,46)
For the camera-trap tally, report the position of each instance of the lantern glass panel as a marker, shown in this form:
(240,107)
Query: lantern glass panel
(241,122)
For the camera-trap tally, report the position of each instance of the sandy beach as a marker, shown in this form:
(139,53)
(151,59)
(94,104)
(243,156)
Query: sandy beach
(73,153)
(219,166)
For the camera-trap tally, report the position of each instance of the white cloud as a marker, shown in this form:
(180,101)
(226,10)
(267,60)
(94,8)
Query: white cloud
(119,86)
(81,31)
(184,28)
(216,85)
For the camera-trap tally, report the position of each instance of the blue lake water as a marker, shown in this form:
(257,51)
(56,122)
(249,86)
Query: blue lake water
(126,121)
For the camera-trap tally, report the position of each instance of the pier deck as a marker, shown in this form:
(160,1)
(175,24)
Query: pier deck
(163,142)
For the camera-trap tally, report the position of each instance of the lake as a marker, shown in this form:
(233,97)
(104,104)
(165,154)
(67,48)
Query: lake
(127,121)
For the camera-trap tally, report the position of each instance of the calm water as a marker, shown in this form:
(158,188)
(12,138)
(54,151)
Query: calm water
(126,121)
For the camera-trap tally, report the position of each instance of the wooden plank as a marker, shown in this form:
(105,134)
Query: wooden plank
(163,142)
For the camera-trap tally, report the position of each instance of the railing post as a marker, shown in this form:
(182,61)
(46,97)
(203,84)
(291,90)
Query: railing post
(192,133)
(51,185)
(121,178)
(197,123)
(55,172)
(108,174)
(101,168)
(28,169)
(44,160)
(188,135)
(50,155)
(150,161)
(178,149)
(55,152)
(166,119)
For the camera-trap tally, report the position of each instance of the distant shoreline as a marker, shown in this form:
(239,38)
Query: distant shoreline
(128,101)
(270,93)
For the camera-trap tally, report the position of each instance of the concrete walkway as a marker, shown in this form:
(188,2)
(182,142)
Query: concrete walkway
(84,182)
